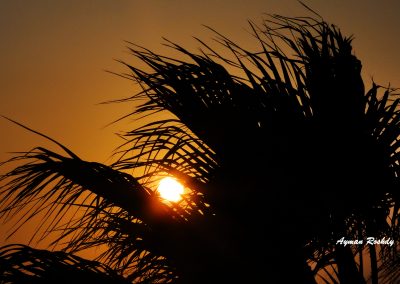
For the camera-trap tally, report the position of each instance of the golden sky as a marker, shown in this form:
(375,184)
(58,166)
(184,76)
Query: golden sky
(53,55)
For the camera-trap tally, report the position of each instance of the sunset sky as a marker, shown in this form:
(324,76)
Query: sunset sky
(54,55)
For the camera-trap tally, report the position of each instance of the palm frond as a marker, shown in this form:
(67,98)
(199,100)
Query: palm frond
(57,185)
(22,264)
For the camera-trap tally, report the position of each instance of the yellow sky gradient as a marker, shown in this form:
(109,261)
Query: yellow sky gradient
(54,53)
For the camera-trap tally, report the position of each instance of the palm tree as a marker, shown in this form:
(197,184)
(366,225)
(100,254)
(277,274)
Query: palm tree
(281,156)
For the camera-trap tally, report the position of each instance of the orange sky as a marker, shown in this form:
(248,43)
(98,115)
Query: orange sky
(53,54)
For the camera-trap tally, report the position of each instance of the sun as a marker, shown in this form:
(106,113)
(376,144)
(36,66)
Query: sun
(170,189)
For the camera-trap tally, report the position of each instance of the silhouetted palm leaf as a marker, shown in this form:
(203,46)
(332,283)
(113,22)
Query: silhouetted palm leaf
(22,264)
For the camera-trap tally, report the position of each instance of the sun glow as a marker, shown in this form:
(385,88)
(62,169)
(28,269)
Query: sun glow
(170,189)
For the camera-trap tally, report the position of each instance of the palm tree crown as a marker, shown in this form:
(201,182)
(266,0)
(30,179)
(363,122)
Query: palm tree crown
(281,156)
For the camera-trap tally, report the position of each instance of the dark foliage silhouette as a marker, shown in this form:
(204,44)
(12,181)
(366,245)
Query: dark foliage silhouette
(282,152)
(22,264)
